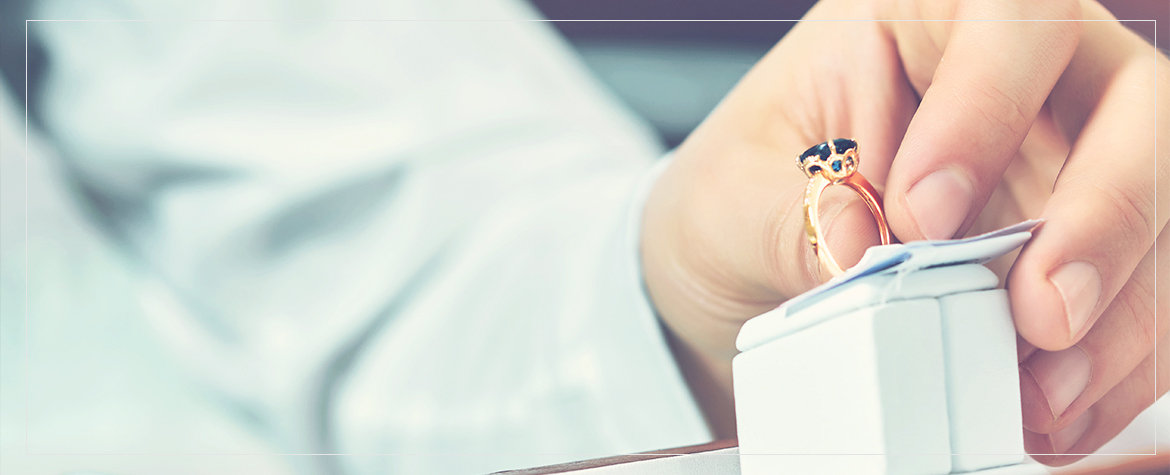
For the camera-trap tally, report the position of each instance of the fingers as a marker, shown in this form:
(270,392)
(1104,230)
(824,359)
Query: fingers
(1057,387)
(1105,419)
(849,229)
(723,235)
(727,229)
(1100,220)
(1087,278)
(989,84)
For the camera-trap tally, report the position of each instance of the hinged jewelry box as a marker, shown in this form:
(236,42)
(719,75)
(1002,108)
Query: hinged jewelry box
(906,364)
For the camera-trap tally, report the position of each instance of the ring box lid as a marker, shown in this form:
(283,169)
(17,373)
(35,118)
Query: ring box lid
(920,269)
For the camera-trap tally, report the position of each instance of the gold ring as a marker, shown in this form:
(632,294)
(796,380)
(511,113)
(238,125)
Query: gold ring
(834,162)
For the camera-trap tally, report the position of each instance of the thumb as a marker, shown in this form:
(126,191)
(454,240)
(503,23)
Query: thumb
(724,240)
(847,226)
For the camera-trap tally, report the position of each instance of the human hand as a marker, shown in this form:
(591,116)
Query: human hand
(1049,119)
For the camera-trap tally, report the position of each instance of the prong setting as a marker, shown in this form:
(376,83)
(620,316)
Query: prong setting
(833,159)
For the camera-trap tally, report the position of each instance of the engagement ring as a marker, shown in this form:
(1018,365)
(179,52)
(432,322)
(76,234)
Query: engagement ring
(835,163)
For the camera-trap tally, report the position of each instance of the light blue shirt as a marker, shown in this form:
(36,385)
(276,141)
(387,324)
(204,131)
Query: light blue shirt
(406,237)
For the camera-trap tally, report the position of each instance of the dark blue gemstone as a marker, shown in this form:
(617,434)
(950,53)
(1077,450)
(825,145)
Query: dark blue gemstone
(849,161)
(814,169)
(821,150)
(836,165)
(843,144)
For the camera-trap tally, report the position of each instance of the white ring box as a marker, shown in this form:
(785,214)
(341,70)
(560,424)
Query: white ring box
(906,364)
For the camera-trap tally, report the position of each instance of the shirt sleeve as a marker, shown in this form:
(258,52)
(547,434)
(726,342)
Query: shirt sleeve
(376,237)
(551,340)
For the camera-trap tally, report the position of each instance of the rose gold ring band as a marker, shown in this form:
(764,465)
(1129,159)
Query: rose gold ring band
(812,221)
(834,162)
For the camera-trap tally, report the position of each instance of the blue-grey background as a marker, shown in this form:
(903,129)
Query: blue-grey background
(672,73)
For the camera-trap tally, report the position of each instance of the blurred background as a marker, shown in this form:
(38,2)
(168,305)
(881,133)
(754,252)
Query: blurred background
(670,73)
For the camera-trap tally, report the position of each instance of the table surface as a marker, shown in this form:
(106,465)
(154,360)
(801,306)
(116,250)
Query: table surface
(1098,465)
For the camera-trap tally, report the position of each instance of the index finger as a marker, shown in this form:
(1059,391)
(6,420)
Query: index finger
(984,92)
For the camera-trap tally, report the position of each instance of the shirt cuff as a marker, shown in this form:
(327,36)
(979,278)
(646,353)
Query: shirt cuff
(687,411)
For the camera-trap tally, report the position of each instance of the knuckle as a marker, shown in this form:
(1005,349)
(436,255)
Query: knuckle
(1133,210)
(1057,11)
(1137,301)
(1143,376)
(1062,10)
(1000,109)
(788,255)
(773,243)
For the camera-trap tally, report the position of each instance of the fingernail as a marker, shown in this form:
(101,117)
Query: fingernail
(940,203)
(1079,284)
(1062,376)
(1064,439)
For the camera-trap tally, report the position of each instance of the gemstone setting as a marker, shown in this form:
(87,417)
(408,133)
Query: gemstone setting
(833,159)
(844,145)
(821,151)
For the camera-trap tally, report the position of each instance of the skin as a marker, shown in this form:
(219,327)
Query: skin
(1034,119)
